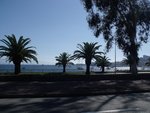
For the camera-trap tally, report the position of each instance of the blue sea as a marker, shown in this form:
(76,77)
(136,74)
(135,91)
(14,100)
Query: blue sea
(52,68)
(41,68)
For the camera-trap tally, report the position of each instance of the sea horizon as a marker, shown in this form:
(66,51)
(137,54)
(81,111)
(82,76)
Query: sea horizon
(4,68)
(40,68)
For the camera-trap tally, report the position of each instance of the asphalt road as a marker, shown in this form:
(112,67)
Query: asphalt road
(127,103)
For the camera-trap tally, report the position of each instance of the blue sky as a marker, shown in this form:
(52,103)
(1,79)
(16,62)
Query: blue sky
(54,26)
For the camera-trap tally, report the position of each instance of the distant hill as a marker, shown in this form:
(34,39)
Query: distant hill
(142,61)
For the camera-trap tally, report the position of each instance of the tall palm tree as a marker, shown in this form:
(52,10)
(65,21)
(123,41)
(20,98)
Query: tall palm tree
(64,60)
(102,61)
(17,51)
(87,51)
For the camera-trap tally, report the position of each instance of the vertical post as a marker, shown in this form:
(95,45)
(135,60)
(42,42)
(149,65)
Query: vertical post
(115,55)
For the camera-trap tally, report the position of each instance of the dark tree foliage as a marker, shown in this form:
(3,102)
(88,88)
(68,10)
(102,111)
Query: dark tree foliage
(126,21)
(103,62)
(17,51)
(87,51)
(64,60)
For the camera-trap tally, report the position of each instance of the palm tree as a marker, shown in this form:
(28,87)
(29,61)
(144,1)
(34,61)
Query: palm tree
(16,51)
(87,51)
(128,61)
(64,60)
(102,62)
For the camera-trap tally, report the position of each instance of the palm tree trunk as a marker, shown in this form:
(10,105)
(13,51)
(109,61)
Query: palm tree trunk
(64,68)
(17,68)
(87,69)
(103,69)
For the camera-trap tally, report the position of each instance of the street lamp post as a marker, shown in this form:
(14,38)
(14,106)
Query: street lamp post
(115,56)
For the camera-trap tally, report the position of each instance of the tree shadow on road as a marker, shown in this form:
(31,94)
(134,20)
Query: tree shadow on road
(54,105)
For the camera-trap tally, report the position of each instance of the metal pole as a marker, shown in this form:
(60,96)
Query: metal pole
(115,56)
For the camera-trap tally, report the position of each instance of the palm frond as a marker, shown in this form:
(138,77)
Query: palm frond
(16,51)
(63,59)
(87,51)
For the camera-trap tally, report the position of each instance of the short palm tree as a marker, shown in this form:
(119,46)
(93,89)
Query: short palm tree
(128,61)
(64,60)
(102,62)
(87,51)
(17,51)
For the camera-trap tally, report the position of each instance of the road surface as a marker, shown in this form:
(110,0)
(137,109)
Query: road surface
(127,103)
